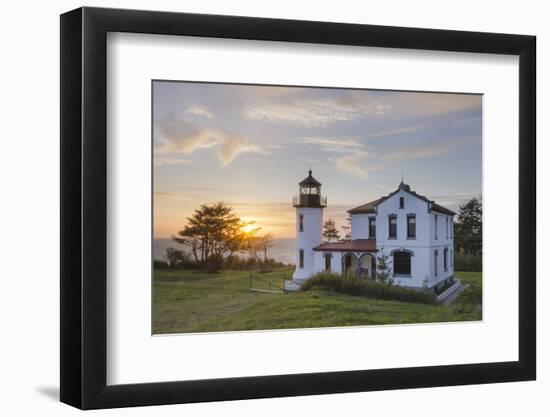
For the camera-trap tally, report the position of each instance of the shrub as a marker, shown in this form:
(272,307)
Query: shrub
(252,264)
(215,263)
(366,287)
(467,262)
(160,264)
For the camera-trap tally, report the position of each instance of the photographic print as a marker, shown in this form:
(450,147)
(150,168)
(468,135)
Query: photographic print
(287,207)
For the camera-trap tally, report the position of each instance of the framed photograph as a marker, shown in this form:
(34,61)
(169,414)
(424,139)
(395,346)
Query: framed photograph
(256,208)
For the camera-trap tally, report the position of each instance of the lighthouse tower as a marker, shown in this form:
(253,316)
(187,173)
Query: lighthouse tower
(309,206)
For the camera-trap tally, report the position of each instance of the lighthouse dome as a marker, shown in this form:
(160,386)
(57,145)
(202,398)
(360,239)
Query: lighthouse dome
(309,181)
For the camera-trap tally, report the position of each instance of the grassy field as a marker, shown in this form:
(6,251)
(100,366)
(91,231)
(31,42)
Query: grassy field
(192,301)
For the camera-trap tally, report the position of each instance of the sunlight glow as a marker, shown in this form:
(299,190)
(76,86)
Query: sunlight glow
(248,228)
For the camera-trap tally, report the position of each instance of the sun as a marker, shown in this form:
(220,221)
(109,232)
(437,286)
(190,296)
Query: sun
(248,228)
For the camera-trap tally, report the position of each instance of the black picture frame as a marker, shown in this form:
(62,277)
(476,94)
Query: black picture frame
(84,207)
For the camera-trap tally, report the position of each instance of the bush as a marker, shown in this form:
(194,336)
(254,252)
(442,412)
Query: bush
(467,262)
(252,264)
(215,263)
(366,287)
(160,264)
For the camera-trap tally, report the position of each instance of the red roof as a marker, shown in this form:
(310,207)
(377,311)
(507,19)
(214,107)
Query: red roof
(357,245)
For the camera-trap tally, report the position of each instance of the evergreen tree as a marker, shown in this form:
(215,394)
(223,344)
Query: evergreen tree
(468,229)
(383,267)
(212,232)
(346,229)
(330,232)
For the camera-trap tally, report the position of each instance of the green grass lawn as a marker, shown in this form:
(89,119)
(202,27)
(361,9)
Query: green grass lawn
(192,301)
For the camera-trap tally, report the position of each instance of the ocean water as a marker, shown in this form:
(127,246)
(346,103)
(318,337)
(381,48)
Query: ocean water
(282,250)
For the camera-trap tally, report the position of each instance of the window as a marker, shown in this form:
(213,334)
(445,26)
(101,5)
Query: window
(411,226)
(445,256)
(435,262)
(435,224)
(393,226)
(451,257)
(402,263)
(328,260)
(301,252)
(401,202)
(446,228)
(301,222)
(372,227)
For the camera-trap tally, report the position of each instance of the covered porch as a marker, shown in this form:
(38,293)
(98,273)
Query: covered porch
(356,257)
(362,265)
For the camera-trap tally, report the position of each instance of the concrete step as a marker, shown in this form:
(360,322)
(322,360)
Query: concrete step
(450,295)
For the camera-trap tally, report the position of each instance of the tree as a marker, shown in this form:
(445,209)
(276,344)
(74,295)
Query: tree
(212,231)
(346,229)
(176,257)
(265,242)
(468,229)
(383,267)
(330,232)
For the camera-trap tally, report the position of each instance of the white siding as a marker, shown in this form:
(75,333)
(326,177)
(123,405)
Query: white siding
(360,226)
(423,246)
(310,237)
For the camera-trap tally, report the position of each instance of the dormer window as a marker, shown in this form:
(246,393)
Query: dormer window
(401,202)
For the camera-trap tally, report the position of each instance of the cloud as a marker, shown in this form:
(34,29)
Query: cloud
(424,104)
(180,136)
(233,146)
(171,195)
(174,137)
(399,131)
(421,152)
(315,112)
(345,143)
(199,110)
(351,164)
(168,159)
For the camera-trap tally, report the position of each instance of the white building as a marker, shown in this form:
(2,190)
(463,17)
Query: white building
(415,232)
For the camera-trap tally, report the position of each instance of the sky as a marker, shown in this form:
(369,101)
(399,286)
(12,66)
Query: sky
(250,145)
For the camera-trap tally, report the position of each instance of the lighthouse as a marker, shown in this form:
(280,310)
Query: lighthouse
(309,206)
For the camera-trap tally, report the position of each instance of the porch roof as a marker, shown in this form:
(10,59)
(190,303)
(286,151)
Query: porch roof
(357,245)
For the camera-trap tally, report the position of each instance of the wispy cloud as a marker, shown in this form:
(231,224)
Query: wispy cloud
(423,104)
(232,146)
(420,152)
(172,195)
(428,151)
(351,164)
(333,144)
(175,137)
(199,110)
(400,131)
(315,112)
(169,159)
